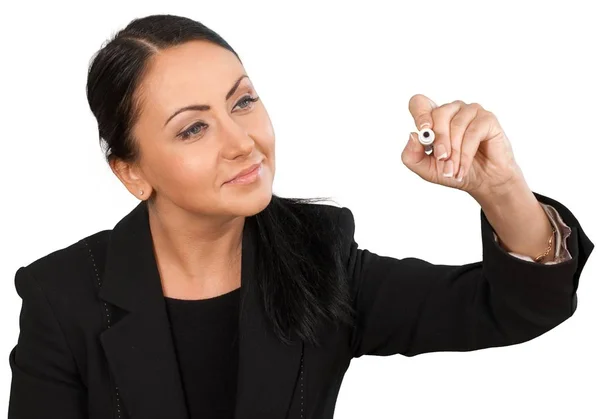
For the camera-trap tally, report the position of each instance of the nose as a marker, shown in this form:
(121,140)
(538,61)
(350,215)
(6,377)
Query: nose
(235,138)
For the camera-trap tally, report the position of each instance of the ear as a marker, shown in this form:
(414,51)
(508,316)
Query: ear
(131,176)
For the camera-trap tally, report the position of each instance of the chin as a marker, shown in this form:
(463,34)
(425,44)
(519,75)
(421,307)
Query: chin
(249,203)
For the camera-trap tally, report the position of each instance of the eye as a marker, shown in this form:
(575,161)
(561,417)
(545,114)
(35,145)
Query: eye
(197,127)
(192,131)
(247,100)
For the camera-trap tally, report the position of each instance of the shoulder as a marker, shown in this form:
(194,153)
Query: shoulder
(67,261)
(318,225)
(339,219)
(315,211)
(65,276)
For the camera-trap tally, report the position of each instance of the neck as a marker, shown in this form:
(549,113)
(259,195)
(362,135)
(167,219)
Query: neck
(196,251)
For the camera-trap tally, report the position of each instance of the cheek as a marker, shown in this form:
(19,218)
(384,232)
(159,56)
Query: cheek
(269,129)
(266,136)
(186,170)
(268,145)
(195,169)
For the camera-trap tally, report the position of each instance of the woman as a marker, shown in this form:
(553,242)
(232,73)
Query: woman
(215,298)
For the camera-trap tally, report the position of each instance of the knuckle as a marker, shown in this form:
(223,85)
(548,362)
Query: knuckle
(423,117)
(484,113)
(477,123)
(480,109)
(486,118)
(403,157)
(475,108)
(457,122)
(440,110)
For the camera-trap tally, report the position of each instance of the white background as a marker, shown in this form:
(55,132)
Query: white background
(336,78)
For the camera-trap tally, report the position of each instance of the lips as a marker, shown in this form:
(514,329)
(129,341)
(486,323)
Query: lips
(245,171)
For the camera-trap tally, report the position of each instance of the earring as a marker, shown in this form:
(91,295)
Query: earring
(141,192)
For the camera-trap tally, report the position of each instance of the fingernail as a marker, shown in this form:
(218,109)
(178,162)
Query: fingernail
(424,124)
(411,141)
(460,174)
(440,150)
(448,168)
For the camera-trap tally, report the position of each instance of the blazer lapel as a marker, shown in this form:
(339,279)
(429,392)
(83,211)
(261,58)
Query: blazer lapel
(139,347)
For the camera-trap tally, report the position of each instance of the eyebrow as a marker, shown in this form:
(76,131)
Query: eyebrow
(197,107)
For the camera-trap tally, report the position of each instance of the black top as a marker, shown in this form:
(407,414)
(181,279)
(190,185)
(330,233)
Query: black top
(205,333)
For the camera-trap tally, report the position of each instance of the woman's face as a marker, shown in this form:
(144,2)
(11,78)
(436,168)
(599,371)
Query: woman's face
(187,156)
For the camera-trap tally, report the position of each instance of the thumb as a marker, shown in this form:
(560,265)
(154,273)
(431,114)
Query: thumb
(415,158)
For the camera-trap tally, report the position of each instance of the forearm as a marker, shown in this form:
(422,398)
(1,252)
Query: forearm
(519,220)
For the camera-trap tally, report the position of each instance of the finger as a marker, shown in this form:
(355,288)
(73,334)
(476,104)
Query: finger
(420,107)
(458,125)
(441,126)
(476,132)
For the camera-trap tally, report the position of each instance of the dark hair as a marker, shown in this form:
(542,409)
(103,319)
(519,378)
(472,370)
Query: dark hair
(302,277)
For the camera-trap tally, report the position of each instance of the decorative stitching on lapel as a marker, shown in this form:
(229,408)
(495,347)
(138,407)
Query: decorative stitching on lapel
(302,386)
(107,312)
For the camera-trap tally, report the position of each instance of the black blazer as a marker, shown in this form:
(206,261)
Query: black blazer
(95,341)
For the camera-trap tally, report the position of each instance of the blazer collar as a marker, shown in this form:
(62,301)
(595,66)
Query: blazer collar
(139,346)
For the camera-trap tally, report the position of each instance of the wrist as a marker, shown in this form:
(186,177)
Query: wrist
(504,194)
(518,219)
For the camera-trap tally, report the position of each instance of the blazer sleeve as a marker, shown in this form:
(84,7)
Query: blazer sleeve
(45,380)
(410,306)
